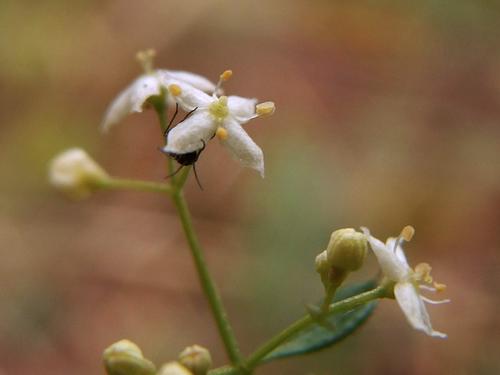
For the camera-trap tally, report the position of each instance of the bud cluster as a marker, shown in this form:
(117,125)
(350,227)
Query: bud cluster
(126,358)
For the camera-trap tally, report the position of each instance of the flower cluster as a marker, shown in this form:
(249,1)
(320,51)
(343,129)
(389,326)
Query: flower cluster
(212,114)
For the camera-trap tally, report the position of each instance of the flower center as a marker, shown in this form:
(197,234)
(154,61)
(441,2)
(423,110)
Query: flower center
(218,109)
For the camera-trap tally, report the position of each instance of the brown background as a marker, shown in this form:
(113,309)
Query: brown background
(388,114)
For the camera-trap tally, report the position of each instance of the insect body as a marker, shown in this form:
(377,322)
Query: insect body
(188,158)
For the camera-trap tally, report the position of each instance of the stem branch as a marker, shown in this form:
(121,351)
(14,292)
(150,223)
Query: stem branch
(339,307)
(124,184)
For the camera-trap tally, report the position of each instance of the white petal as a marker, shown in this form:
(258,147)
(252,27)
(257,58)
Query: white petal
(143,88)
(189,135)
(190,97)
(414,309)
(390,243)
(243,147)
(131,100)
(242,109)
(387,259)
(195,80)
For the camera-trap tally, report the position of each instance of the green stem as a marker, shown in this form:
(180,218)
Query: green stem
(207,283)
(159,103)
(124,184)
(339,307)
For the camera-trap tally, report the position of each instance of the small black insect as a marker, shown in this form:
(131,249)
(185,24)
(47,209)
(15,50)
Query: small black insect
(188,158)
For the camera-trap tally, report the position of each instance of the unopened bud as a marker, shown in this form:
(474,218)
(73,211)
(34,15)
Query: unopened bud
(75,173)
(174,368)
(323,267)
(347,249)
(197,359)
(125,358)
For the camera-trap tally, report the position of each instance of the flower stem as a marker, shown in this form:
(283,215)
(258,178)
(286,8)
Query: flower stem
(338,307)
(207,282)
(124,184)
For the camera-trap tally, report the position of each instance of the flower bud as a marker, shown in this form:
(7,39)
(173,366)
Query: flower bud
(75,173)
(174,368)
(197,359)
(125,358)
(322,266)
(347,249)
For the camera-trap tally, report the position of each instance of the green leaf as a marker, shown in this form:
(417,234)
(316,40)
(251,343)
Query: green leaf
(315,337)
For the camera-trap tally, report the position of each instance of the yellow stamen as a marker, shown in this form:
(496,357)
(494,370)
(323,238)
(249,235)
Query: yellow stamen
(221,133)
(146,58)
(265,109)
(174,89)
(407,233)
(423,271)
(226,75)
(439,286)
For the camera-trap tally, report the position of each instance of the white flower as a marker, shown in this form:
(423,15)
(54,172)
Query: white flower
(75,173)
(217,116)
(409,282)
(134,97)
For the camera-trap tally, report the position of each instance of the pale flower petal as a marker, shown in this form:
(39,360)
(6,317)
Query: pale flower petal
(144,88)
(243,148)
(190,134)
(390,244)
(131,100)
(414,309)
(391,266)
(190,97)
(195,80)
(242,109)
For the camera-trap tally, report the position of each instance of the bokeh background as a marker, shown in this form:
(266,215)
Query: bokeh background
(388,114)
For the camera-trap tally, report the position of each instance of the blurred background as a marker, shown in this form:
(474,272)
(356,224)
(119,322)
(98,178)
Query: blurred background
(388,115)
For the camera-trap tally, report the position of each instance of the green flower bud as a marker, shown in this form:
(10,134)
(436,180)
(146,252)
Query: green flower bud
(347,249)
(197,359)
(75,173)
(323,267)
(125,358)
(174,368)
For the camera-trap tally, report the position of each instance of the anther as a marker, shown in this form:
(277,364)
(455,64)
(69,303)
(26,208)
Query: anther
(226,75)
(265,109)
(174,89)
(221,133)
(439,286)
(145,58)
(407,233)
(223,78)
(423,270)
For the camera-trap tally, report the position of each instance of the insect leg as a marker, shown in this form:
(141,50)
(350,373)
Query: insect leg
(174,173)
(196,177)
(172,119)
(189,114)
